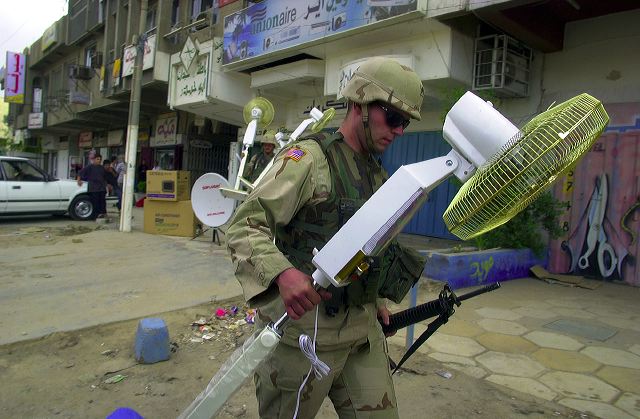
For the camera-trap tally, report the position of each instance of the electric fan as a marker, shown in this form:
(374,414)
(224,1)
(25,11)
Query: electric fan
(317,119)
(514,167)
(257,113)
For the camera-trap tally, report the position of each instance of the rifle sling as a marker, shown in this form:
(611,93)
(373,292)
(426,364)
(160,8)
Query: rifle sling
(433,326)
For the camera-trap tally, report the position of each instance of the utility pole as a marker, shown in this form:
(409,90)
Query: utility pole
(134,120)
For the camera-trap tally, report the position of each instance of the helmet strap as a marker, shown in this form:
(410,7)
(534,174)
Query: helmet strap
(367,130)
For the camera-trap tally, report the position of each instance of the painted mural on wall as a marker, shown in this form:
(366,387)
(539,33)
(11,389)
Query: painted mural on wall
(602,196)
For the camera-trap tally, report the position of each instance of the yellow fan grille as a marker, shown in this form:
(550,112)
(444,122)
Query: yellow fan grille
(514,177)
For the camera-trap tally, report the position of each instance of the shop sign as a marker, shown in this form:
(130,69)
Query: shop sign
(166,130)
(272,25)
(36,120)
(14,78)
(114,137)
(191,84)
(100,141)
(85,139)
(200,144)
(129,57)
(49,37)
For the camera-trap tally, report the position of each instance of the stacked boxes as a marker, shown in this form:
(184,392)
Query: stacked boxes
(167,209)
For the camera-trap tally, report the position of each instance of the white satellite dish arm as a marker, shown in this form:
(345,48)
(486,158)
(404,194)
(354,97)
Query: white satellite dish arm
(247,141)
(316,116)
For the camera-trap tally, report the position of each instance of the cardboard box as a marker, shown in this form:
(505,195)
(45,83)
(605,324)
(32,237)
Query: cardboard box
(169,218)
(168,185)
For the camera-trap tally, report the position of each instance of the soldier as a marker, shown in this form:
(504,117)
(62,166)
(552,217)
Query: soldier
(314,186)
(259,161)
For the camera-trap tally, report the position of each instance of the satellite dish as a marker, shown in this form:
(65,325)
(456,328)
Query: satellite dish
(207,201)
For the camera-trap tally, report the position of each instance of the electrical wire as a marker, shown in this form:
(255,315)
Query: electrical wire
(319,368)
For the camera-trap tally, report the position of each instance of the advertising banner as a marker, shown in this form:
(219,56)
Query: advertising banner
(14,78)
(273,25)
(129,58)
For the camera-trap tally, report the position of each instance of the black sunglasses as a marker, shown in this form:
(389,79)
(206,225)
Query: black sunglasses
(394,118)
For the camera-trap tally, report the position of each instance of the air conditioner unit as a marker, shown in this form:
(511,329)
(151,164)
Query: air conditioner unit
(502,64)
(81,72)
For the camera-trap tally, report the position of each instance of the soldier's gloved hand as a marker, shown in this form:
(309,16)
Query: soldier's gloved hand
(298,294)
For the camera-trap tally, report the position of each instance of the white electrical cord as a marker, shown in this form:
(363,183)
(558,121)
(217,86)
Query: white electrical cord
(319,368)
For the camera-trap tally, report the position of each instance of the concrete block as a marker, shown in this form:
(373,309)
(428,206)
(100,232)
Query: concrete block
(152,341)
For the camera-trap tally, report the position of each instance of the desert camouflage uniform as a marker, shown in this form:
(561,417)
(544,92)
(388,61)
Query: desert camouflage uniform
(298,192)
(256,165)
(259,161)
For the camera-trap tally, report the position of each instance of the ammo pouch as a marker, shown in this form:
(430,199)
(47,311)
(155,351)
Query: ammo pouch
(402,269)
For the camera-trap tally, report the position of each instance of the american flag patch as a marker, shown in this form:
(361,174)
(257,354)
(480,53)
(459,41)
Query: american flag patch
(295,154)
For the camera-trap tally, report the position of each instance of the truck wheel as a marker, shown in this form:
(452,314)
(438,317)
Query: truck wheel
(81,208)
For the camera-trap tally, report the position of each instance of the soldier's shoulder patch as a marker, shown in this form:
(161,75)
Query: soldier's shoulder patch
(295,154)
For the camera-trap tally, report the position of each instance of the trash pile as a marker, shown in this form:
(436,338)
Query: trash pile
(224,325)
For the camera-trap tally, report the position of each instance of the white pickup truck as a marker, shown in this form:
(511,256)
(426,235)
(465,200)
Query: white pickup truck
(27,189)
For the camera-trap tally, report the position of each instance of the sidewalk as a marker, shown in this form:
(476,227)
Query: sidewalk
(577,347)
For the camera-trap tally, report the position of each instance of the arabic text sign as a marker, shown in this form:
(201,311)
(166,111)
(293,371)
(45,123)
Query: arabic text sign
(191,85)
(14,78)
(277,24)
(166,129)
(129,56)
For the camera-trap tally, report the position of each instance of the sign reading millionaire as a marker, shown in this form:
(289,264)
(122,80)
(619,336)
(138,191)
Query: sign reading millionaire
(273,25)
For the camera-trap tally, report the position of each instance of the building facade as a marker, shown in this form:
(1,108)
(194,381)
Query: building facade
(205,59)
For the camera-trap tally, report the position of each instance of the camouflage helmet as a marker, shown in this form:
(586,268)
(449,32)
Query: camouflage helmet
(386,80)
(269,137)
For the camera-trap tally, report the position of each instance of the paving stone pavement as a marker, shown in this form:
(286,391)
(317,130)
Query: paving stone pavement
(574,346)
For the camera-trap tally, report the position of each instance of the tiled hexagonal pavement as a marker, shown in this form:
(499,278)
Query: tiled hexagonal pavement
(615,357)
(510,364)
(579,386)
(630,403)
(553,340)
(497,313)
(505,327)
(508,337)
(597,409)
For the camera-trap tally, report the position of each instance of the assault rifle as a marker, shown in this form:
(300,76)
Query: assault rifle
(443,307)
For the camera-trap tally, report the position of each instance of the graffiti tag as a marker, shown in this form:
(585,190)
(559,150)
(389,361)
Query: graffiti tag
(482,269)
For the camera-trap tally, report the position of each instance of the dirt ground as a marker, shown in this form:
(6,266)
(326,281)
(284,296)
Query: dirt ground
(66,375)
(88,373)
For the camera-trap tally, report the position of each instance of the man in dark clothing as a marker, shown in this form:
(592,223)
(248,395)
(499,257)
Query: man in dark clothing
(97,188)
(112,180)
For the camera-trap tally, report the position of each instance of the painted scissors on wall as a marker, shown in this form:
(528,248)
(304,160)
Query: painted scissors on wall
(606,256)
